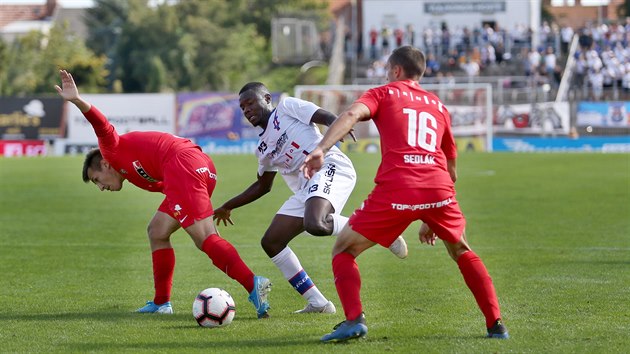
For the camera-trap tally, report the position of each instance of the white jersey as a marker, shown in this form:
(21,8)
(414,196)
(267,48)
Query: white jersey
(289,138)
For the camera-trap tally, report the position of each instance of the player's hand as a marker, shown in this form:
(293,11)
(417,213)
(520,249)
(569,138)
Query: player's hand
(427,235)
(68,90)
(312,163)
(222,214)
(351,133)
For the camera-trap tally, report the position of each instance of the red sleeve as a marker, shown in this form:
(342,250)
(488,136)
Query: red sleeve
(370,98)
(106,133)
(448,141)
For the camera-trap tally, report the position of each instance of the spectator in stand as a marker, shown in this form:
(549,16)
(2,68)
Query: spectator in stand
(398,36)
(373,40)
(544,33)
(427,39)
(534,60)
(585,40)
(550,60)
(445,39)
(596,78)
(452,59)
(433,64)
(566,34)
(466,40)
(385,34)
(581,68)
(475,55)
(471,68)
(620,51)
(410,35)
(500,54)
(625,82)
(488,55)
(593,61)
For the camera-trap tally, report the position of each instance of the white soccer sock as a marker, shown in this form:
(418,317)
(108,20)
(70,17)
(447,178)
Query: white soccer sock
(339,221)
(292,270)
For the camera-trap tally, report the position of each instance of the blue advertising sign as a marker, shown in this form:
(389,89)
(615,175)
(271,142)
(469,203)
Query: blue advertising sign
(213,115)
(603,114)
(563,144)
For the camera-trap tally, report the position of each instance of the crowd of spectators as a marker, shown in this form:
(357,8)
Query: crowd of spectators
(602,58)
(468,51)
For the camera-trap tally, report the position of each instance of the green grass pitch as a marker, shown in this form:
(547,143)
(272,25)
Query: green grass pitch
(553,230)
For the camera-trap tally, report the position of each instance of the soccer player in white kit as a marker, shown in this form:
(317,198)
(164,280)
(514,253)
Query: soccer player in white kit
(289,134)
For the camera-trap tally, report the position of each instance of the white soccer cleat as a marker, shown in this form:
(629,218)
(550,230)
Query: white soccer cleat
(328,308)
(399,247)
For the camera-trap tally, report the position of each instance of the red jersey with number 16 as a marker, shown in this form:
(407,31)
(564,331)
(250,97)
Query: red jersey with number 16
(416,136)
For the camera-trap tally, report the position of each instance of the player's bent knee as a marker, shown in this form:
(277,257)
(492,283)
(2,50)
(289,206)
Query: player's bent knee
(318,227)
(156,234)
(271,246)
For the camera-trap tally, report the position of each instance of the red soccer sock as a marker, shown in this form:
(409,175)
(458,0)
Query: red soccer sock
(225,257)
(348,283)
(479,282)
(163,267)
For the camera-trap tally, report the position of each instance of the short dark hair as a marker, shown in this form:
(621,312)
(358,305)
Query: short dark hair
(411,59)
(93,161)
(254,86)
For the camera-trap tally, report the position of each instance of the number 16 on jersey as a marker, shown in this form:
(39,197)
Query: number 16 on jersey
(421,130)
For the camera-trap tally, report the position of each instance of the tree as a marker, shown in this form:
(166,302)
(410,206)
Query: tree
(188,45)
(30,65)
(623,9)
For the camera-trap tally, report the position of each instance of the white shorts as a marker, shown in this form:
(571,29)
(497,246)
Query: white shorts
(333,182)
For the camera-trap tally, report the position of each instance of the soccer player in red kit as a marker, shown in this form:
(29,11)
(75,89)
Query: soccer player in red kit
(415,181)
(174,166)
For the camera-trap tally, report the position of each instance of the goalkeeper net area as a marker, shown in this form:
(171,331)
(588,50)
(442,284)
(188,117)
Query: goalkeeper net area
(470,106)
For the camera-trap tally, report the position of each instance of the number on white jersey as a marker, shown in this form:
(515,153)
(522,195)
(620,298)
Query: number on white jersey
(421,131)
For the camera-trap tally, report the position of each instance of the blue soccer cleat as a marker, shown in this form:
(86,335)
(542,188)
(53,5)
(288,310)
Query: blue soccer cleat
(258,296)
(150,307)
(498,330)
(347,330)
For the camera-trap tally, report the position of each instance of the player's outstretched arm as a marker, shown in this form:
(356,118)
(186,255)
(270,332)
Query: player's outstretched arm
(337,130)
(323,117)
(69,92)
(259,188)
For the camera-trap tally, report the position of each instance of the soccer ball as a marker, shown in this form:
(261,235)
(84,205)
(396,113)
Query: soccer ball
(214,307)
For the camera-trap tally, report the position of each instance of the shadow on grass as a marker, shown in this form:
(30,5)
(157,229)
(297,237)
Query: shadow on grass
(213,344)
(106,315)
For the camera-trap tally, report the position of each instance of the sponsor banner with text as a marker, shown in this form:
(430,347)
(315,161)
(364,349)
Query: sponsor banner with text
(214,115)
(126,112)
(17,148)
(31,118)
(537,118)
(603,114)
(563,144)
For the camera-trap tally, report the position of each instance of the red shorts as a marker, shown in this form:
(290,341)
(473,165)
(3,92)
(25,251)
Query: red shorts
(384,215)
(189,180)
